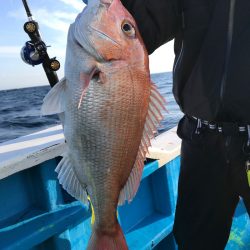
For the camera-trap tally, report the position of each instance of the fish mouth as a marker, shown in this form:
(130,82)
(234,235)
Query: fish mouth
(105,36)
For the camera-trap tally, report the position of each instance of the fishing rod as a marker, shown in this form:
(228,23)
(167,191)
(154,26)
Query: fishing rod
(34,51)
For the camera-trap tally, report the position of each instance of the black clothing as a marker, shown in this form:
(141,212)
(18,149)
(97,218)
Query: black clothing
(211,81)
(210,184)
(211,74)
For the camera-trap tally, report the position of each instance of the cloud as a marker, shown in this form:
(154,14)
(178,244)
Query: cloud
(10,51)
(77,4)
(18,14)
(162,59)
(56,20)
(65,15)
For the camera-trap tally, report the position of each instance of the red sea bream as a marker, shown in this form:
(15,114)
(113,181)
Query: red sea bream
(109,109)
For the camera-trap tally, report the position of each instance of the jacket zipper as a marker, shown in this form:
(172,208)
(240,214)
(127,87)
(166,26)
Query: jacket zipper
(178,58)
(181,52)
(229,46)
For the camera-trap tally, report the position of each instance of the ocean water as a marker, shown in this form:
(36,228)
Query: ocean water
(20,109)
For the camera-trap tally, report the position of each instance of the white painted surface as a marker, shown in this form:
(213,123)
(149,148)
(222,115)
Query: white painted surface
(162,59)
(28,151)
(165,147)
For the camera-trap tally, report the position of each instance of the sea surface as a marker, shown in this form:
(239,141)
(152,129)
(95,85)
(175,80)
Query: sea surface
(20,109)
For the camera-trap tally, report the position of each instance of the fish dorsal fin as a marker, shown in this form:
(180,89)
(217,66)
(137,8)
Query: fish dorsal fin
(54,101)
(69,181)
(154,117)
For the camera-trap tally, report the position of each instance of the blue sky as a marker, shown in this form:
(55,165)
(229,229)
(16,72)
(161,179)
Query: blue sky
(54,17)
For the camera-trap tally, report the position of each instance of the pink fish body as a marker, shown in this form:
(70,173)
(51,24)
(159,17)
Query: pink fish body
(110,110)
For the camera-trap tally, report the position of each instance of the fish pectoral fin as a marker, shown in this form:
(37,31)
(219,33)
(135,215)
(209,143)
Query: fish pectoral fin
(85,79)
(69,181)
(54,101)
(153,119)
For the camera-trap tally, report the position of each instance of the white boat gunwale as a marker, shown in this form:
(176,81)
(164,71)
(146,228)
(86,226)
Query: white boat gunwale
(28,151)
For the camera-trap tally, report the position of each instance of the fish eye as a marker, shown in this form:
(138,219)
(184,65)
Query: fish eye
(128,28)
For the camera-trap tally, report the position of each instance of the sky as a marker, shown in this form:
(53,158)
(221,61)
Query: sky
(54,18)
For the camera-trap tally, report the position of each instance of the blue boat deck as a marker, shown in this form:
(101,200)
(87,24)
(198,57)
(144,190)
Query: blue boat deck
(36,213)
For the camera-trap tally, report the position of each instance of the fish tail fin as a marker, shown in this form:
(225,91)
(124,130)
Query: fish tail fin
(107,241)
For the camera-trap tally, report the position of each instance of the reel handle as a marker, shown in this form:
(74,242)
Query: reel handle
(48,65)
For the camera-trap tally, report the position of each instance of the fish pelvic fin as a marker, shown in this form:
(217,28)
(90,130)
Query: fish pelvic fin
(69,181)
(153,119)
(54,101)
(100,240)
(92,212)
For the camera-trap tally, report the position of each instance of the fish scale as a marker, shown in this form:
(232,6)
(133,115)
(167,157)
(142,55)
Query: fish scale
(96,151)
(111,110)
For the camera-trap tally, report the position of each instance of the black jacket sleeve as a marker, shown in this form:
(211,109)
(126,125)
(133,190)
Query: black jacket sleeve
(157,20)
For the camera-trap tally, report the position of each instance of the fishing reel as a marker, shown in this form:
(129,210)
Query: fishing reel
(31,55)
(35,53)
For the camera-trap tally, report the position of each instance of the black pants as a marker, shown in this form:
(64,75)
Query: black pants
(212,177)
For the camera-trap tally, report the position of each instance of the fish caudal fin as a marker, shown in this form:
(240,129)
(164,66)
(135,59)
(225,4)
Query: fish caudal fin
(69,181)
(106,241)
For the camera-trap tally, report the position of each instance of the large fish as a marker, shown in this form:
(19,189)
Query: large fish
(110,110)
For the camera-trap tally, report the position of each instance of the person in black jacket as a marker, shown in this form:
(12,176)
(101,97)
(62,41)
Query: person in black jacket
(211,84)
